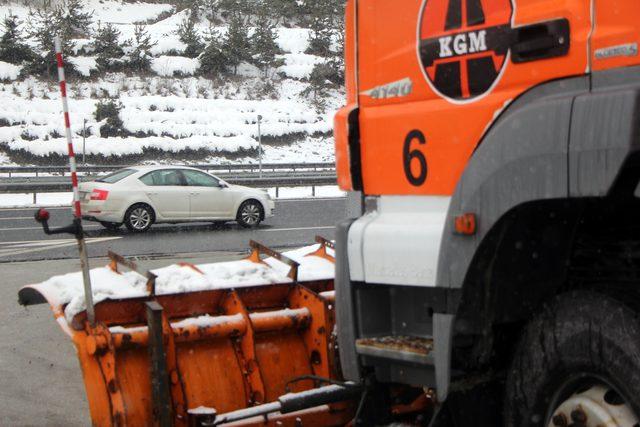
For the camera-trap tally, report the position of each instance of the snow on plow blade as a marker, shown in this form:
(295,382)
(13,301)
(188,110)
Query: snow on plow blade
(172,345)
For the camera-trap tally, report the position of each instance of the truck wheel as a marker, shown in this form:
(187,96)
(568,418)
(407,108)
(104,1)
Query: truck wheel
(577,364)
(139,217)
(250,213)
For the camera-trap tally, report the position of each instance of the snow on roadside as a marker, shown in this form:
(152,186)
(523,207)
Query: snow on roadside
(131,145)
(106,284)
(170,66)
(167,123)
(298,65)
(126,13)
(112,11)
(293,40)
(84,64)
(9,71)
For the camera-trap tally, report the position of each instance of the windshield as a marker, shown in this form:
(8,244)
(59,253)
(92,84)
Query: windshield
(116,176)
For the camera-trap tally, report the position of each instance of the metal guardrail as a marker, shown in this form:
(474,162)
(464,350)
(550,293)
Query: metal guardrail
(265,181)
(282,175)
(9,171)
(44,180)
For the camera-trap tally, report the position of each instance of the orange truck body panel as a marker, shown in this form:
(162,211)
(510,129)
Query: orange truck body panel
(383,48)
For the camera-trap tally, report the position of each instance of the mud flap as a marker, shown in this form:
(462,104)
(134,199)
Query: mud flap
(345,308)
(442,338)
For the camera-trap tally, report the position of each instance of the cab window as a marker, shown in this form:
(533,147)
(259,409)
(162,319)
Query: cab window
(200,179)
(163,177)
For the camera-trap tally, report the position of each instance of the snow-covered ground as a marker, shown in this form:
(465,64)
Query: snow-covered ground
(170,111)
(167,114)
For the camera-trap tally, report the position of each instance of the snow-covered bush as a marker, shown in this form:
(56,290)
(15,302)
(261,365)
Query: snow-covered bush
(108,113)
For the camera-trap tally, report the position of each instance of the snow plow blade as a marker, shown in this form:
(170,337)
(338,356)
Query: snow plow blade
(176,358)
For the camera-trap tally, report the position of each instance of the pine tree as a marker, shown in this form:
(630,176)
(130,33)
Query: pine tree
(263,41)
(109,110)
(108,48)
(237,46)
(326,22)
(327,37)
(320,40)
(11,48)
(43,26)
(75,18)
(140,56)
(319,85)
(189,36)
(285,11)
(210,9)
(231,8)
(213,61)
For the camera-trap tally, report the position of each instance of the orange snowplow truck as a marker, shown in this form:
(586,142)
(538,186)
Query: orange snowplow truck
(496,144)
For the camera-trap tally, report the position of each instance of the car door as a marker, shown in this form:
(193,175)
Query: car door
(208,198)
(168,193)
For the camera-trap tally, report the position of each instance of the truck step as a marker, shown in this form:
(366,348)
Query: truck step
(397,347)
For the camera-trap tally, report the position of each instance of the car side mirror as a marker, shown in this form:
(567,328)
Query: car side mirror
(223,185)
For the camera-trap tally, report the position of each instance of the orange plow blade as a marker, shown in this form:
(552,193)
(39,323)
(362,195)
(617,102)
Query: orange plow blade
(175,358)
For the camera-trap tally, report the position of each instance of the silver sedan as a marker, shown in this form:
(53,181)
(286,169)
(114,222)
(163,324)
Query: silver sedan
(143,195)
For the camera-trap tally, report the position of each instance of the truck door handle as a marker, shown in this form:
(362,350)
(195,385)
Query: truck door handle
(541,41)
(152,193)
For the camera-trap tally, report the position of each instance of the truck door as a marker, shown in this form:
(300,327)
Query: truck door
(433,76)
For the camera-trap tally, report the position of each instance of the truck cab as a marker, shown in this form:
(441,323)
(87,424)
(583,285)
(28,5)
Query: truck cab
(494,145)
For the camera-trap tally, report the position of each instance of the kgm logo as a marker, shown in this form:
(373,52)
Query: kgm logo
(463,45)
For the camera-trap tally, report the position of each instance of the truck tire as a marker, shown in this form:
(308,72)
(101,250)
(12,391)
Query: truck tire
(583,346)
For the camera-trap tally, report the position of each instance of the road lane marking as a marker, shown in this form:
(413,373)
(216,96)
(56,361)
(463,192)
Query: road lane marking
(324,227)
(17,217)
(52,241)
(29,208)
(40,228)
(318,199)
(15,248)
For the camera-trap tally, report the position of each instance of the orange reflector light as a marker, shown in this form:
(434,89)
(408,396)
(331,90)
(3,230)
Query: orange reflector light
(466,224)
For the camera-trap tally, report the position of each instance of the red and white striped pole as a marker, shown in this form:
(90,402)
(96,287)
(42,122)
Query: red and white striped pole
(82,247)
(67,128)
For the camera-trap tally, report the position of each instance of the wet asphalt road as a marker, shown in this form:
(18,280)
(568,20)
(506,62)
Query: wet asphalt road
(296,222)
(40,380)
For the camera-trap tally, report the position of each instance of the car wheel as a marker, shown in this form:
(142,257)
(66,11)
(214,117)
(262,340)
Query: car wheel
(577,364)
(111,225)
(250,213)
(139,217)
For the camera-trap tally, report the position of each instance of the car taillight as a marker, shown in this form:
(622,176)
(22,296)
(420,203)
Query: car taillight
(99,194)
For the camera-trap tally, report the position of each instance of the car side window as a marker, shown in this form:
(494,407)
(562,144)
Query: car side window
(200,179)
(163,177)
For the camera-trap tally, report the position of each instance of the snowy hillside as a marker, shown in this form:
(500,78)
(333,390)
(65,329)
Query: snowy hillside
(171,112)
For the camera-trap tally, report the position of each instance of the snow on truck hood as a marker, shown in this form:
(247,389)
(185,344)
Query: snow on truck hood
(174,279)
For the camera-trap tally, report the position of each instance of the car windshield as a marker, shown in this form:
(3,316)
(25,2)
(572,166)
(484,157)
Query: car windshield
(116,176)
